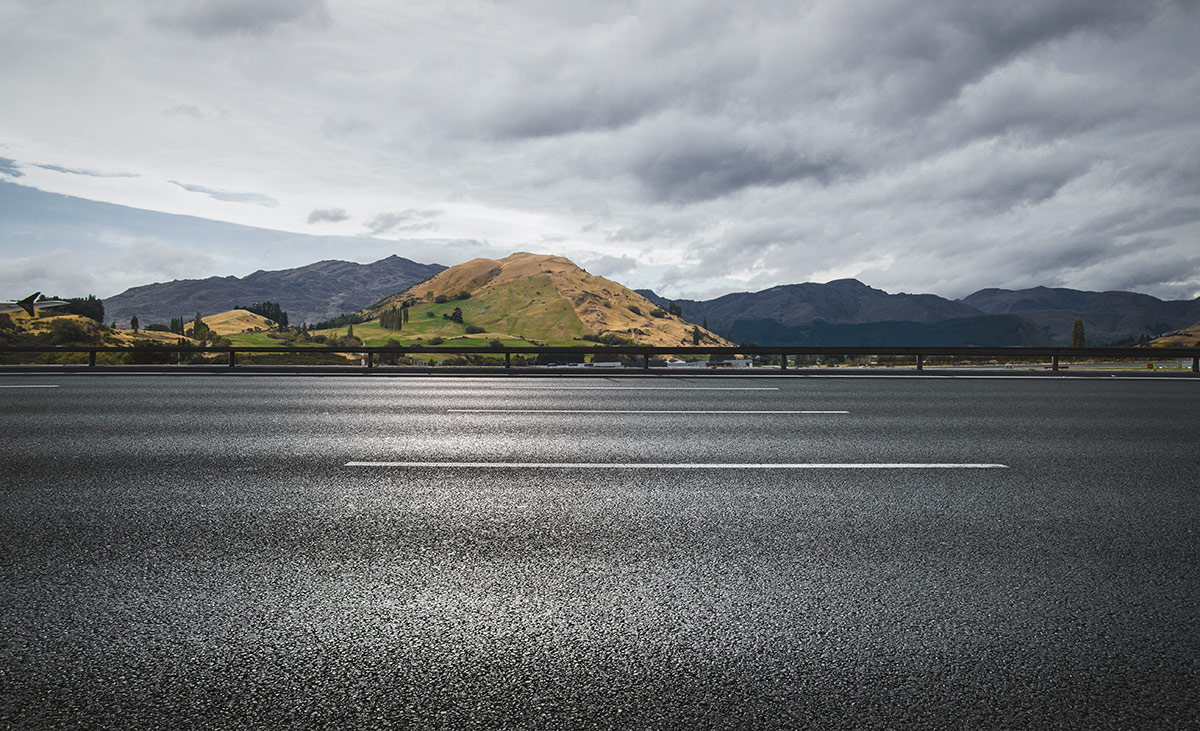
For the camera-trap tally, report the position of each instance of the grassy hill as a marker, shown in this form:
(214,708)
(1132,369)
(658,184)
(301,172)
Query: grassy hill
(1188,337)
(237,321)
(540,298)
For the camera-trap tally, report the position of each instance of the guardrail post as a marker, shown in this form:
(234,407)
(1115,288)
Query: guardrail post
(370,360)
(645,361)
(508,360)
(1196,364)
(920,362)
(783,362)
(1054,363)
(91,359)
(232,358)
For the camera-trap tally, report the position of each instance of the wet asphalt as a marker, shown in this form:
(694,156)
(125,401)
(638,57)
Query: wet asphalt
(193,552)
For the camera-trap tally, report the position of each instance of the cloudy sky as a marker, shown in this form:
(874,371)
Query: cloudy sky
(697,148)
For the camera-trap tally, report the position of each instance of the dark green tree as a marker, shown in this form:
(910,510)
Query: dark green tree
(391,319)
(270,310)
(1078,336)
(133,323)
(200,330)
(89,306)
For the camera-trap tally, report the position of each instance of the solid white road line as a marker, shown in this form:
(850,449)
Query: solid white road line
(694,465)
(42,385)
(627,411)
(633,388)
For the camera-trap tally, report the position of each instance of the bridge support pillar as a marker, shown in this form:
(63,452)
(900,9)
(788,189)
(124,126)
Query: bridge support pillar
(645,361)
(508,360)
(370,360)
(91,359)
(1054,363)
(1196,364)
(232,358)
(783,361)
(920,362)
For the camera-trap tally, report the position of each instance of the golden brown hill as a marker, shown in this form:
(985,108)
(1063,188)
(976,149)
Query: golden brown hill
(547,282)
(237,321)
(92,332)
(1188,337)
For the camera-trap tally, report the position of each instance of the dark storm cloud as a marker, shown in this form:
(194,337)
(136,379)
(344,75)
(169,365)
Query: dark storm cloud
(1143,221)
(257,199)
(208,18)
(917,56)
(550,113)
(9,167)
(700,173)
(408,220)
(700,165)
(89,173)
(330,215)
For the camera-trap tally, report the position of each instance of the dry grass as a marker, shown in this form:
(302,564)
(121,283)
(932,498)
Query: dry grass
(1186,338)
(45,323)
(237,321)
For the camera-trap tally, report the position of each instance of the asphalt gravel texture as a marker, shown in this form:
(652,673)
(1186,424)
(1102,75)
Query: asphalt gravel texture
(194,552)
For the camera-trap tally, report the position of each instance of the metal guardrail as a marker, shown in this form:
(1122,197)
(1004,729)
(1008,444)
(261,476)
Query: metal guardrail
(919,354)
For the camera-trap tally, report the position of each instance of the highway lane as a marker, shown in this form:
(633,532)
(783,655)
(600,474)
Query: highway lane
(195,551)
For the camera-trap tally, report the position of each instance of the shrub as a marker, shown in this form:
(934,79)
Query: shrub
(436,340)
(657,313)
(441,299)
(635,309)
(162,357)
(472,329)
(63,331)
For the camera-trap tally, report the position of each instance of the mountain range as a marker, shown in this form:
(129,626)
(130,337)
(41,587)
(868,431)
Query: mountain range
(523,286)
(309,294)
(848,312)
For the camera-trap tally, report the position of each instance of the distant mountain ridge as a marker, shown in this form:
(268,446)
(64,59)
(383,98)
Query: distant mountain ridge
(1107,316)
(848,312)
(843,301)
(308,294)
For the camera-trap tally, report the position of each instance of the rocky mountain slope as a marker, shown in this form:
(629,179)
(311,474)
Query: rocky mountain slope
(1107,316)
(848,312)
(308,294)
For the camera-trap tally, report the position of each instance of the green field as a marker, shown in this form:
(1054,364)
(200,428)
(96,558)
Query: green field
(261,340)
(522,313)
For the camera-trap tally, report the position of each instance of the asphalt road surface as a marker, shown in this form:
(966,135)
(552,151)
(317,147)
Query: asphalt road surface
(660,552)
